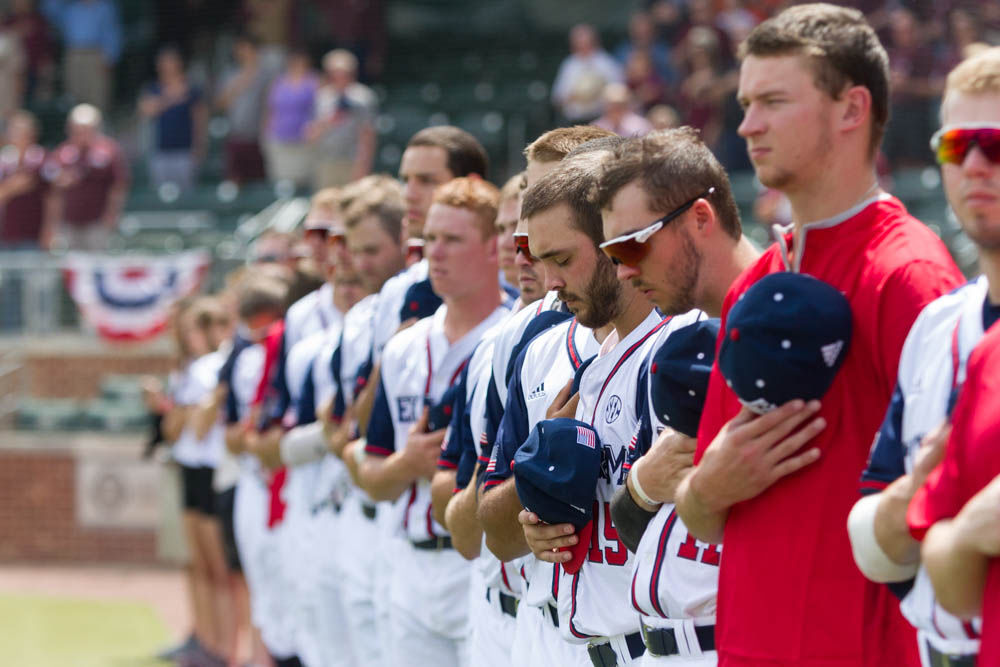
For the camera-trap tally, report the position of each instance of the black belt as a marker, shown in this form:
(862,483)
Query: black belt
(508,603)
(938,659)
(433,544)
(603,655)
(368,511)
(663,641)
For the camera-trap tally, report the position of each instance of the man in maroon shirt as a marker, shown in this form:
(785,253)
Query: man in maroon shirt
(89,181)
(814,89)
(22,189)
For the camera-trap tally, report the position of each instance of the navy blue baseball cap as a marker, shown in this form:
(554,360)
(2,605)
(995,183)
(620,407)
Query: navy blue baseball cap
(786,338)
(555,474)
(420,301)
(439,415)
(678,375)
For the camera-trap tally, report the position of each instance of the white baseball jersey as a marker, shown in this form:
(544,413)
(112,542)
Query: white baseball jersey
(390,301)
(543,368)
(931,368)
(190,387)
(418,366)
(594,602)
(511,333)
(313,312)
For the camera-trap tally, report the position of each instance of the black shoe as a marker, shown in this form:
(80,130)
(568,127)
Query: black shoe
(177,652)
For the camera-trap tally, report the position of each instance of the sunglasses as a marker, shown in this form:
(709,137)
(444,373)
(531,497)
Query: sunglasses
(630,249)
(952,143)
(521,246)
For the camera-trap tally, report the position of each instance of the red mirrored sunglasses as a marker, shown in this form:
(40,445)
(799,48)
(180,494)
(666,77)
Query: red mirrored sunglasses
(521,246)
(952,143)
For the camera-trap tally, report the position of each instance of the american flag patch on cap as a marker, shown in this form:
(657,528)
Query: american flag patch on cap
(584,436)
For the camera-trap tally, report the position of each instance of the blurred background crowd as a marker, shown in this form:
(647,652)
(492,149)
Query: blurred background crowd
(159,125)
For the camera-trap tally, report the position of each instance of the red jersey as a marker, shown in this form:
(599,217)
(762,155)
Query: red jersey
(789,591)
(971,461)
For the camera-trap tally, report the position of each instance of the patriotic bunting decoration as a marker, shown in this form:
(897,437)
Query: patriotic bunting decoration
(129,298)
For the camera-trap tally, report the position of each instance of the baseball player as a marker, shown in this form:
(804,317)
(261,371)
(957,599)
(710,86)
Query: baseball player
(544,367)
(660,241)
(932,367)
(428,591)
(852,236)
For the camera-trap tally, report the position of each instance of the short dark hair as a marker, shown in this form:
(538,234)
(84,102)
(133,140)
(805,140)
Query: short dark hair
(842,48)
(672,167)
(261,295)
(570,183)
(465,154)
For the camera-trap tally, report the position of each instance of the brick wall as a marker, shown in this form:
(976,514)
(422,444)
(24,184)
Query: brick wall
(38,515)
(80,376)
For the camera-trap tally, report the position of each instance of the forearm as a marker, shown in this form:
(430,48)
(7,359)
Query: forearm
(630,518)
(957,571)
(385,478)
(460,517)
(174,422)
(442,489)
(204,417)
(703,520)
(891,531)
(303,444)
(497,514)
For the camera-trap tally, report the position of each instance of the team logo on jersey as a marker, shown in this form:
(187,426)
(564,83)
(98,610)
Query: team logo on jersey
(613,409)
(537,392)
(613,466)
(407,408)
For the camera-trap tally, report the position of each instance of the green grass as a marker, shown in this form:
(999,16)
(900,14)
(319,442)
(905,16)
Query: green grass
(41,631)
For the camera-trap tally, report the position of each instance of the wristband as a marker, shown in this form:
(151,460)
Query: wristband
(359,451)
(643,496)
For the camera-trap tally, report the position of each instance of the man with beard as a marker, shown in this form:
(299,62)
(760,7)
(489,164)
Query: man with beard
(814,87)
(564,229)
(675,235)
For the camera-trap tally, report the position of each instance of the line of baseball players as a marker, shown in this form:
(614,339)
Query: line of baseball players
(529,440)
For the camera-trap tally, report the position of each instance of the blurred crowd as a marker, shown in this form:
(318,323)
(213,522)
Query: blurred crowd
(286,91)
(678,66)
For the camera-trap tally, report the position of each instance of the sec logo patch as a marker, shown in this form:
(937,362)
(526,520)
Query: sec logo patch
(613,409)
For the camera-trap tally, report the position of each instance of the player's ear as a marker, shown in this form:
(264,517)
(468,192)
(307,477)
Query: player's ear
(491,248)
(702,221)
(856,104)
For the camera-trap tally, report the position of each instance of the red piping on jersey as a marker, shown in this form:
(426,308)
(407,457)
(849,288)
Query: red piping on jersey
(430,370)
(654,579)
(503,575)
(375,449)
(555,581)
(430,523)
(444,464)
(541,302)
(956,360)
(574,355)
(873,485)
(618,364)
(969,630)
(572,611)
(409,504)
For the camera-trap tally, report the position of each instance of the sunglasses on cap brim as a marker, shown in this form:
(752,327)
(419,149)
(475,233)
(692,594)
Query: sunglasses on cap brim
(952,143)
(630,249)
(521,246)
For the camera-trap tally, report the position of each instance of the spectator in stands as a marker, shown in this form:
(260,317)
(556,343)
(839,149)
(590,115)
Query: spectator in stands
(270,23)
(22,190)
(89,180)
(342,130)
(642,39)
(644,82)
(911,63)
(582,76)
(12,65)
(30,25)
(289,109)
(704,88)
(92,40)
(735,20)
(356,26)
(242,99)
(618,116)
(180,117)
(663,117)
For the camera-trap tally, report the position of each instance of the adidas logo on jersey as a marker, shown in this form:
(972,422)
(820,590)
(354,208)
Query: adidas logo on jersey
(831,352)
(537,392)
